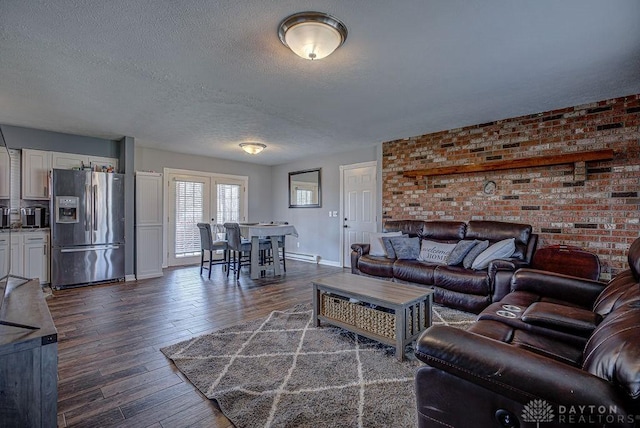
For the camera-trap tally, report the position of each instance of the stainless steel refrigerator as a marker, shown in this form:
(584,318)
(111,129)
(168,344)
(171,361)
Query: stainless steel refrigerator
(87,227)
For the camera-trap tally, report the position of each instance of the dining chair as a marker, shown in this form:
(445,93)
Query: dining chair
(240,249)
(208,243)
(281,242)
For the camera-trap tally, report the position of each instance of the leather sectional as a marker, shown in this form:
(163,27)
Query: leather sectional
(455,286)
(555,351)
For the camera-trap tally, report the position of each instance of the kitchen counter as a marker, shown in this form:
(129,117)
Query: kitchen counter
(26,229)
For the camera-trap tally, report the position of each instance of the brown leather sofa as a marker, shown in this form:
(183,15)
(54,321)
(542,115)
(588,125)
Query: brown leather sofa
(558,349)
(455,286)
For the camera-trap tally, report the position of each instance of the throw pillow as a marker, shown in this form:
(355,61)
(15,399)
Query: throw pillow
(474,252)
(406,248)
(499,250)
(460,251)
(388,246)
(435,252)
(376,247)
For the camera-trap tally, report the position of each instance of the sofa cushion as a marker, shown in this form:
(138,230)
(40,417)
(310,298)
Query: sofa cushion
(498,230)
(461,249)
(473,253)
(376,266)
(500,250)
(376,244)
(435,252)
(457,278)
(405,248)
(613,350)
(452,231)
(407,227)
(414,271)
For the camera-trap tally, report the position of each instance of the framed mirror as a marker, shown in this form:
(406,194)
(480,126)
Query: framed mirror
(305,190)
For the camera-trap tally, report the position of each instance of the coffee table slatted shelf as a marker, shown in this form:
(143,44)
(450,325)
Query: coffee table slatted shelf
(408,308)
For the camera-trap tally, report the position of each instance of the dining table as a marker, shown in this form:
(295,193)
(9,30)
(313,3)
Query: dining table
(255,231)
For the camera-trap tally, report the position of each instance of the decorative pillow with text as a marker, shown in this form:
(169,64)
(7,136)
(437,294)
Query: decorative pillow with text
(435,252)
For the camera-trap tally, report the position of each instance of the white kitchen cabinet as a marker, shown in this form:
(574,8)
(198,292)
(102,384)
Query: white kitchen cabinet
(5,176)
(149,226)
(29,254)
(68,160)
(17,267)
(35,256)
(4,254)
(36,165)
(102,161)
(71,160)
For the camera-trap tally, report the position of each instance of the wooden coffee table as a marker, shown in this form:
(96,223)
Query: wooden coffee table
(400,314)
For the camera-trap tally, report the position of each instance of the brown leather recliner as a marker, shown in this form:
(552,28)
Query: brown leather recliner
(568,355)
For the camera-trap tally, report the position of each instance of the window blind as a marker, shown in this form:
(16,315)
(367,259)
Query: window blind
(189,212)
(228,209)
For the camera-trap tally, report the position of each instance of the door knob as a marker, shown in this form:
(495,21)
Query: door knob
(345,226)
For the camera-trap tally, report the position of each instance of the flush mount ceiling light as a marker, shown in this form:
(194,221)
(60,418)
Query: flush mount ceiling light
(312,35)
(253,148)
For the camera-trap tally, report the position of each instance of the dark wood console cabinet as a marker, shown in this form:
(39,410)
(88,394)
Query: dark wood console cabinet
(28,359)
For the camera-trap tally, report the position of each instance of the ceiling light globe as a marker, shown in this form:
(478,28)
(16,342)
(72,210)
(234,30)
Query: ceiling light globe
(312,35)
(313,40)
(252,148)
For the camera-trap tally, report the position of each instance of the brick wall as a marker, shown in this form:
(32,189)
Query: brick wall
(599,212)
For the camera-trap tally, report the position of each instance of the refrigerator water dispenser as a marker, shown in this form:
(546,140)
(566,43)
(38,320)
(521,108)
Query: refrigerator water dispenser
(67,209)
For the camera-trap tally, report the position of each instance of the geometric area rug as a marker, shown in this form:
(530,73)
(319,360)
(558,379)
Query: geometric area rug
(281,371)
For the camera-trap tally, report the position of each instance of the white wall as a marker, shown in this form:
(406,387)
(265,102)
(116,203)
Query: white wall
(318,233)
(259,192)
(269,193)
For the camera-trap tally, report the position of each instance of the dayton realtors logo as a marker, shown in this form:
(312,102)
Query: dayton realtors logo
(537,411)
(540,411)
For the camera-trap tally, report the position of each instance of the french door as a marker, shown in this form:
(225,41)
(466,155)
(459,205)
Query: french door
(197,199)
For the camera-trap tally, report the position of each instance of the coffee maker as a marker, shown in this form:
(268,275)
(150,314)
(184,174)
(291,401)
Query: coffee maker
(5,217)
(34,217)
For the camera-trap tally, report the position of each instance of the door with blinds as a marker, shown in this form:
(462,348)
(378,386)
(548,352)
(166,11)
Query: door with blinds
(189,197)
(197,199)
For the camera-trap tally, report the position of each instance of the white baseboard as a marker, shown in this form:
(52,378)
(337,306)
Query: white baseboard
(130,277)
(309,258)
(330,263)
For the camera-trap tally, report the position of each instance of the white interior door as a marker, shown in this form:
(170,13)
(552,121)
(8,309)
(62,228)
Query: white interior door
(359,190)
(189,202)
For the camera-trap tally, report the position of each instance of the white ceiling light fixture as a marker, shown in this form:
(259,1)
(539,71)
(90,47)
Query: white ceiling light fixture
(253,148)
(312,35)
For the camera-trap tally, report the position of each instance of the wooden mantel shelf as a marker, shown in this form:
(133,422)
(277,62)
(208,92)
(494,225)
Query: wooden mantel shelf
(596,155)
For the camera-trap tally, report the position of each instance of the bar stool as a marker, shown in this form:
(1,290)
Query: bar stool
(240,249)
(207,243)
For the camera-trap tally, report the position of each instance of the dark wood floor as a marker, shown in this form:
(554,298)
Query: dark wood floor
(110,369)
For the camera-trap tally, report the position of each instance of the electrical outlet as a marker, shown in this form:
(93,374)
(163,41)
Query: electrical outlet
(335,213)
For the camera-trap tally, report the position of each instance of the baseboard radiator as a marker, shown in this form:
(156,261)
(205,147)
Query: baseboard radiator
(310,258)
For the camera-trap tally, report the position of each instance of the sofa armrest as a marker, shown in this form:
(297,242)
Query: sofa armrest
(500,272)
(572,320)
(361,249)
(573,289)
(510,371)
(357,251)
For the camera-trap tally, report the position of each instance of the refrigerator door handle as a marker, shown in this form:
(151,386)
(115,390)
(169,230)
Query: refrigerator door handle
(92,248)
(87,199)
(95,218)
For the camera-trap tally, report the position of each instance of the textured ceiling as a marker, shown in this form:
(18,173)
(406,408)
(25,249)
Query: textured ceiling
(202,76)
